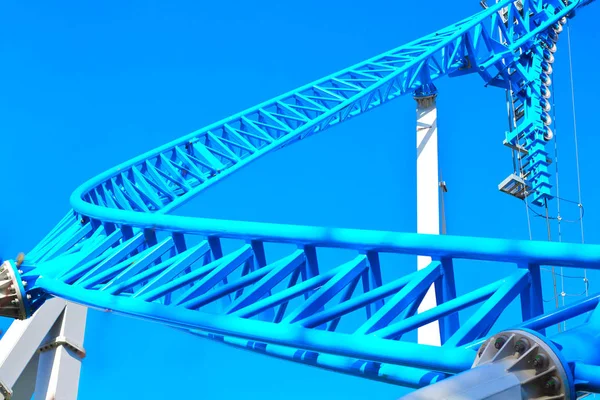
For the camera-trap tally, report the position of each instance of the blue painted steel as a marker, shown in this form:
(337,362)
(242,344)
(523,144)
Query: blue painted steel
(402,299)
(587,377)
(532,303)
(577,349)
(118,289)
(479,324)
(360,347)
(579,344)
(118,249)
(563,314)
(178,170)
(396,374)
(566,362)
(541,253)
(445,291)
(448,308)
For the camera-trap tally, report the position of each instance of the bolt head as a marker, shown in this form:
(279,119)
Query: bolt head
(539,361)
(481,349)
(499,342)
(520,346)
(552,385)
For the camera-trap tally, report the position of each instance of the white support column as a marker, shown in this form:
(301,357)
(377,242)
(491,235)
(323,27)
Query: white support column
(428,214)
(60,357)
(20,344)
(53,371)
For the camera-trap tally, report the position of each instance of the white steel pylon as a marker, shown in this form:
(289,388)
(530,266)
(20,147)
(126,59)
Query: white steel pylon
(428,212)
(41,356)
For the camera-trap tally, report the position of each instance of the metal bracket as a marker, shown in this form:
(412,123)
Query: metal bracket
(443,186)
(41,356)
(12,292)
(63,341)
(513,364)
(5,391)
(515,186)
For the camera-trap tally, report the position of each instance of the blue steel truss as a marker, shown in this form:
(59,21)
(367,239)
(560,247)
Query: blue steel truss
(265,287)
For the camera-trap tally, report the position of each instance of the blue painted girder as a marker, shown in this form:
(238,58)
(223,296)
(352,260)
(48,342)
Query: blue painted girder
(240,297)
(120,250)
(163,179)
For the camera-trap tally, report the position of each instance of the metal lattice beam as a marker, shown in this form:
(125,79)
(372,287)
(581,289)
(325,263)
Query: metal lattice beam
(120,250)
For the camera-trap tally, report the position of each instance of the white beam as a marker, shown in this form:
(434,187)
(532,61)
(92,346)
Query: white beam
(428,214)
(21,342)
(42,355)
(61,355)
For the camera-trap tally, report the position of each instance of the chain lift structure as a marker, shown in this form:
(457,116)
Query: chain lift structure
(264,287)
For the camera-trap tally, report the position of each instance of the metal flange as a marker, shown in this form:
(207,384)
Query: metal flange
(13,299)
(65,342)
(534,361)
(514,364)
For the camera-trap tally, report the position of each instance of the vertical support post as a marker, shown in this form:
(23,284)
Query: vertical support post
(260,261)
(60,356)
(375,279)
(428,212)
(41,355)
(445,290)
(532,303)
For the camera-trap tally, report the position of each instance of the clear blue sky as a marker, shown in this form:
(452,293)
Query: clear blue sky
(86,85)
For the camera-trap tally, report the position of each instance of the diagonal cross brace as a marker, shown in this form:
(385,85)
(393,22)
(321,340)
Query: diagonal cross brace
(43,353)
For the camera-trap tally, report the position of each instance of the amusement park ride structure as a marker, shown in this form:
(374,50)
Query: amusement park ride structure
(120,249)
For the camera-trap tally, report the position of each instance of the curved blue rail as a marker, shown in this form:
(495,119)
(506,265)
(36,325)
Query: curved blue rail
(269,287)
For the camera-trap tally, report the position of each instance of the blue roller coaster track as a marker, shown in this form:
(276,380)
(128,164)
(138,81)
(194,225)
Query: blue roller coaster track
(119,248)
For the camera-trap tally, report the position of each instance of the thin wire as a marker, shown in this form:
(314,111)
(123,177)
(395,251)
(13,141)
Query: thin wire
(576,148)
(565,276)
(566,295)
(528,219)
(552,269)
(537,214)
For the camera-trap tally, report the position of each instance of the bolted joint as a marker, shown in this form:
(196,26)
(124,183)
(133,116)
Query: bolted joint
(499,342)
(521,345)
(64,342)
(425,95)
(13,298)
(530,360)
(5,391)
(514,364)
(540,361)
(552,385)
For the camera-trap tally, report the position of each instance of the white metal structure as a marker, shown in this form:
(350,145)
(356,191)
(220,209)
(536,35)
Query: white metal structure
(41,356)
(428,205)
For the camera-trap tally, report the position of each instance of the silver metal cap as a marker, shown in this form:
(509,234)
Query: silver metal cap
(12,303)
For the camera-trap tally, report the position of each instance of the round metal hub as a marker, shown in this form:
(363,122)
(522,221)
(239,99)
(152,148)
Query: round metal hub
(536,363)
(12,303)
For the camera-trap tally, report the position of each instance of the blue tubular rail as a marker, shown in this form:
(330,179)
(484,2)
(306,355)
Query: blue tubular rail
(165,178)
(119,250)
